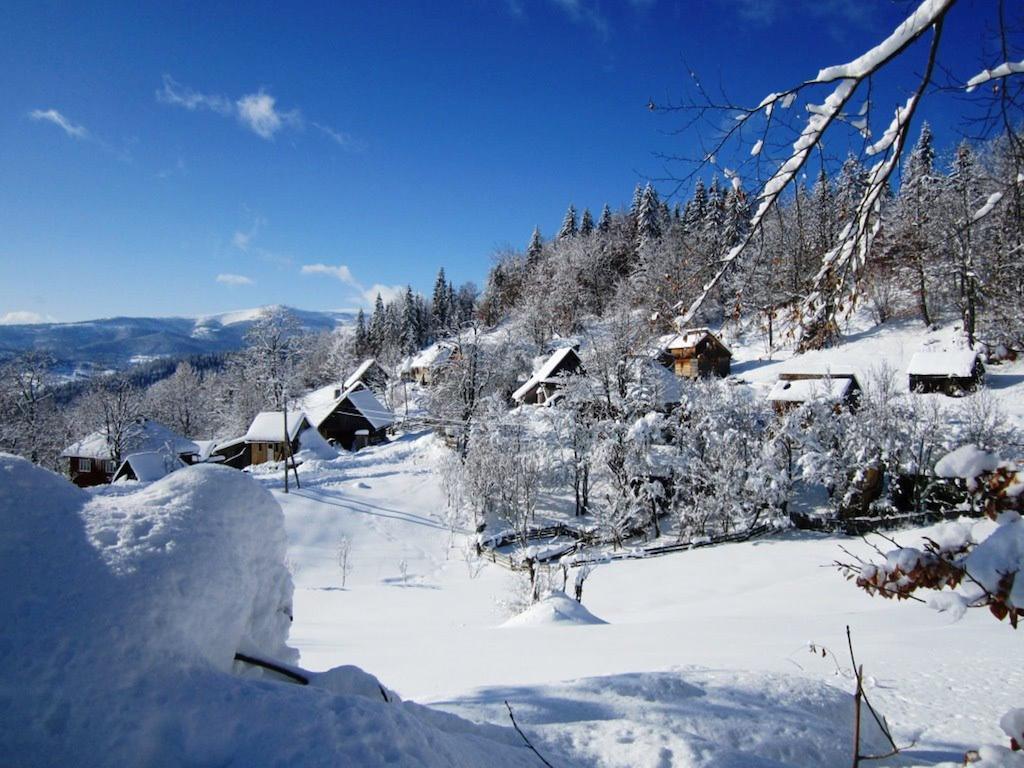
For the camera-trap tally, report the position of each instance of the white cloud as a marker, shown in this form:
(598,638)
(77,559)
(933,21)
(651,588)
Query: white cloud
(585,12)
(256,111)
(55,117)
(340,272)
(227,278)
(25,317)
(241,239)
(180,95)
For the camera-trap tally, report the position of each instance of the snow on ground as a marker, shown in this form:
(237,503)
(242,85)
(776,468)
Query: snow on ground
(120,615)
(709,631)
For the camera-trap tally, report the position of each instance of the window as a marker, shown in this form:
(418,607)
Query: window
(85,465)
(111,466)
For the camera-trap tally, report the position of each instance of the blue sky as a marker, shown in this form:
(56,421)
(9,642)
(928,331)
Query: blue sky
(181,159)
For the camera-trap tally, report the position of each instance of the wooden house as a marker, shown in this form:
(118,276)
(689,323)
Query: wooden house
(93,460)
(147,466)
(951,373)
(696,352)
(352,418)
(423,367)
(266,435)
(371,375)
(794,389)
(543,386)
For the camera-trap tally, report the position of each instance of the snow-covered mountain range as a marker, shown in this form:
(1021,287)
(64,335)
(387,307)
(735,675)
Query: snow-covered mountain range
(118,342)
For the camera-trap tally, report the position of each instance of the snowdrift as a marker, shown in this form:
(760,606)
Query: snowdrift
(120,617)
(556,609)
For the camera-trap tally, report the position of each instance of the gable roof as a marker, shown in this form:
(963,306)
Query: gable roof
(149,465)
(958,363)
(359,372)
(547,371)
(319,404)
(146,435)
(691,337)
(268,426)
(367,404)
(810,390)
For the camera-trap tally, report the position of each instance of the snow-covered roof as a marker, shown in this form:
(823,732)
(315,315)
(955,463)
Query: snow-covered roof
(545,373)
(145,435)
(689,338)
(967,462)
(148,466)
(958,363)
(434,355)
(268,426)
(364,401)
(808,390)
(359,372)
(811,365)
(321,403)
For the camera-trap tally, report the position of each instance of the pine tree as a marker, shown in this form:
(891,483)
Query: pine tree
(535,249)
(587,223)
(696,208)
(410,335)
(648,225)
(850,187)
(824,213)
(377,332)
(361,341)
(604,224)
(568,224)
(440,307)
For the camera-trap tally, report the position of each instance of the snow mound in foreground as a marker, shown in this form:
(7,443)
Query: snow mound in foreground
(557,609)
(120,615)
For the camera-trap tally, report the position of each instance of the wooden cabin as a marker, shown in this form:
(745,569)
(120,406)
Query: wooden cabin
(371,375)
(93,460)
(695,353)
(794,389)
(147,466)
(951,373)
(266,435)
(543,386)
(352,418)
(423,367)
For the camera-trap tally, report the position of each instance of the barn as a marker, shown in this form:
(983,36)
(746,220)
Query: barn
(794,389)
(266,435)
(952,373)
(695,353)
(543,385)
(352,418)
(94,461)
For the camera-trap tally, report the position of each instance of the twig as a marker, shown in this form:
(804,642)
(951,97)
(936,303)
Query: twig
(523,736)
(273,666)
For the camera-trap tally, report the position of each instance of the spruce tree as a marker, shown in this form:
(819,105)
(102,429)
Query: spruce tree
(568,224)
(377,333)
(648,225)
(604,224)
(440,307)
(360,341)
(587,223)
(535,249)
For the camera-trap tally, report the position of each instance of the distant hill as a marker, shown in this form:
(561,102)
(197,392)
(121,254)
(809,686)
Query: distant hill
(83,348)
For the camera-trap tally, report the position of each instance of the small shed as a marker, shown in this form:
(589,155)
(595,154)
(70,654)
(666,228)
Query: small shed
(266,435)
(422,367)
(352,418)
(235,453)
(93,460)
(952,373)
(794,389)
(543,385)
(147,466)
(371,375)
(696,352)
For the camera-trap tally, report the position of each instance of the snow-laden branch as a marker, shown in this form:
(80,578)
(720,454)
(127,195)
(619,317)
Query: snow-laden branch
(849,77)
(1005,69)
